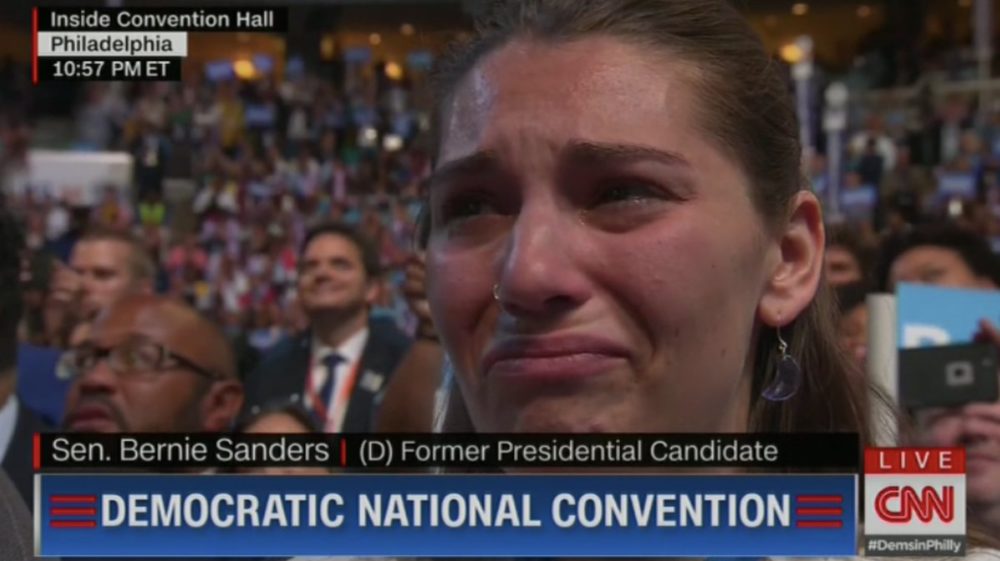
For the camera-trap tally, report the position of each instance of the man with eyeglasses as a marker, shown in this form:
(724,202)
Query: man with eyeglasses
(150,364)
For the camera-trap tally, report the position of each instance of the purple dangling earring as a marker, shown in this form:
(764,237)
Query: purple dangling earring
(787,377)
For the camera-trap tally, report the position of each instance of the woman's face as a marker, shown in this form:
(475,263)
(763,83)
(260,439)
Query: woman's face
(629,257)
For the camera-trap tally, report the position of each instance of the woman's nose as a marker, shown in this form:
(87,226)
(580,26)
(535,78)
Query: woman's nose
(541,271)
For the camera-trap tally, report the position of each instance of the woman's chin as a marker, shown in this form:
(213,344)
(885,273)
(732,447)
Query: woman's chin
(542,423)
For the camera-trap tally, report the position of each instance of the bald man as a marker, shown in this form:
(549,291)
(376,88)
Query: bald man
(151,364)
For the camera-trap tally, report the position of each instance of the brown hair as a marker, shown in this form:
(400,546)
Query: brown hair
(140,264)
(750,116)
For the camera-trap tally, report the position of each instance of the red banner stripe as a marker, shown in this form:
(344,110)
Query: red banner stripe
(820,499)
(73,512)
(819,512)
(819,524)
(73,524)
(73,499)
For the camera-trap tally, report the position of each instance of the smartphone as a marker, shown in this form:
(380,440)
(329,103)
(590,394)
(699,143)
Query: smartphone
(948,376)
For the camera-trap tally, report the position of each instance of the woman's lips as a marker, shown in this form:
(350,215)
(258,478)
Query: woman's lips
(552,358)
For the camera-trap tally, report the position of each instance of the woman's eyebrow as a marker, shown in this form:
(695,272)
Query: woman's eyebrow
(475,163)
(576,152)
(600,152)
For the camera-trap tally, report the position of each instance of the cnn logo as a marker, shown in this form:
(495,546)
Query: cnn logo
(899,505)
(914,491)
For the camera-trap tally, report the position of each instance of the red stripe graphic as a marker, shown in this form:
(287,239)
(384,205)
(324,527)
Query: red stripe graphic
(36,447)
(73,512)
(820,499)
(34,50)
(819,524)
(819,512)
(86,499)
(343,452)
(73,524)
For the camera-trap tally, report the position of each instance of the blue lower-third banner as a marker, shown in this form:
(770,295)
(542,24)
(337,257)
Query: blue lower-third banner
(442,515)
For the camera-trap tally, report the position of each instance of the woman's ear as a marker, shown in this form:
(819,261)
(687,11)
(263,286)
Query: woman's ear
(794,279)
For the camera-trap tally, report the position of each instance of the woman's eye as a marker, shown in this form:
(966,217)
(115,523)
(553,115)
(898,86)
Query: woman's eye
(625,193)
(467,207)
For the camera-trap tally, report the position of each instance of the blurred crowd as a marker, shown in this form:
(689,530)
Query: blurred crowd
(228,176)
(903,168)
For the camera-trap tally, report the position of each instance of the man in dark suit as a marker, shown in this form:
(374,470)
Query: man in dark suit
(17,423)
(338,367)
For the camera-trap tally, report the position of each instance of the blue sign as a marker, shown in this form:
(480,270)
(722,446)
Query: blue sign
(263,63)
(957,185)
(259,115)
(934,316)
(219,70)
(295,67)
(429,515)
(358,55)
(858,203)
(420,60)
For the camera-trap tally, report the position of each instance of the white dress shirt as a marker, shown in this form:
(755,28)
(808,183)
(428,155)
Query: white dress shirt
(350,352)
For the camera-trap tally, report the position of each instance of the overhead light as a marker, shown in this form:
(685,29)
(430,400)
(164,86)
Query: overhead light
(407,29)
(864,11)
(791,53)
(374,38)
(327,47)
(800,8)
(244,69)
(393,71)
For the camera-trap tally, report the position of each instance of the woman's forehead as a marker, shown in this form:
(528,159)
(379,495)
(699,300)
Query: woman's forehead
(597,89)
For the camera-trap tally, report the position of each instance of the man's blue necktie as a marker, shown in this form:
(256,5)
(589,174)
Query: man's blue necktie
(324,396)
